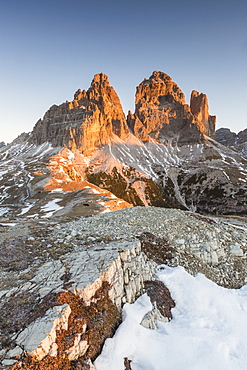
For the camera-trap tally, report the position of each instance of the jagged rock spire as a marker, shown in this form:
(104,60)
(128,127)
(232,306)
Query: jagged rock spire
(87,122)
(162,113)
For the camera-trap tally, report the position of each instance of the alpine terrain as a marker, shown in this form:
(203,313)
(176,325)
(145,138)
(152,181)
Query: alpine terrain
(71,270)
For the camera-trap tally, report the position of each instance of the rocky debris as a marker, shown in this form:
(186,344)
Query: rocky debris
(36,183)
(162,114)
(73,280)
(87,122)
(127,364)
(190,239)
(158,249)
(2,144)
(77,275)
(236,141)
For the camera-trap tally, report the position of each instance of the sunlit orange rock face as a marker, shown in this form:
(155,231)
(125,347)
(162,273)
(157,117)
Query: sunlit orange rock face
(162,114)
(87,122)
(200,110)
(94,116)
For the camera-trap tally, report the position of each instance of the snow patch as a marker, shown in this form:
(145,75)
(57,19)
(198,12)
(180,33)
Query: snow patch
(208,329)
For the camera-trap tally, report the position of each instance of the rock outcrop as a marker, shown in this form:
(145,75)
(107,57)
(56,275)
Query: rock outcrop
(87,122)
(162,114)
(94,116)
(226,137)
(235,141)
(200,110)
(62,285)
(165,157)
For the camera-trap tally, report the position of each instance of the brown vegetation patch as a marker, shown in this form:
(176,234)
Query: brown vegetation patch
(101,319)
(158,292)
(204,219)
(157,249)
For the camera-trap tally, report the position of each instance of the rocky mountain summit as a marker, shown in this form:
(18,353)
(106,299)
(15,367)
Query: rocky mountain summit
(89,121)
(94,116)
(162,114)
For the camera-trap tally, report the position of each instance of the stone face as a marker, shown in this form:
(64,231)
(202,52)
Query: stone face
(200,110)
(39,338)
(94,116)
(162,114)
(236,141)
(226,137)
(87,122)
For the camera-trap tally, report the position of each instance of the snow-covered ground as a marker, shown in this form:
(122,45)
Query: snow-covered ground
(207,331)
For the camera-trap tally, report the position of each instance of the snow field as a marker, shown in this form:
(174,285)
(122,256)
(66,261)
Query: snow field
(207,332)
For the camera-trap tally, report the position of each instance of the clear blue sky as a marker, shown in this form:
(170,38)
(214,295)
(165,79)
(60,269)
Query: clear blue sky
(50,48)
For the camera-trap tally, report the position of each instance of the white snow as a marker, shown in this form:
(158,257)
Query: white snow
(207,332)
(51,207)
(93,190)
(26,209)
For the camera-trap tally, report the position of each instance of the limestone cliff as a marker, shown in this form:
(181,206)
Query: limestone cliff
(94,116)
(200,110)
(161,112)
(90,120)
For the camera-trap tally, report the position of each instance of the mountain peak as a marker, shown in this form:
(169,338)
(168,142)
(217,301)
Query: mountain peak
(162,114)
(159,85)
(87,122)
(200,110)
(100,78)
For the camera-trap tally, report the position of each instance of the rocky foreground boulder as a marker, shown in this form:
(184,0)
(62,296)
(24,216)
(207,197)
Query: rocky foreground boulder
(63,285)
